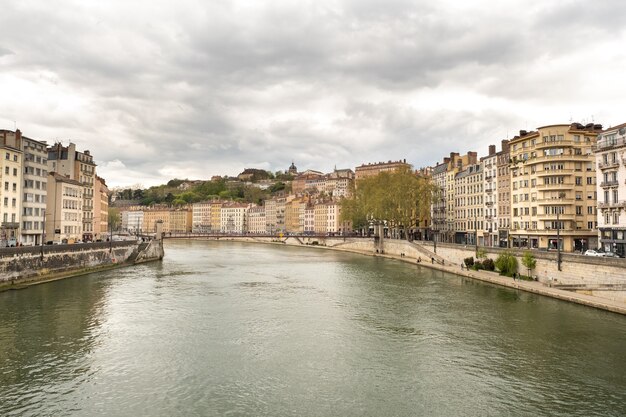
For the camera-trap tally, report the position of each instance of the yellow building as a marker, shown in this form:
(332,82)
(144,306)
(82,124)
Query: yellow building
(152,215)
(64,209)
(553,187)
(294,215)
(101,211)
(180,220)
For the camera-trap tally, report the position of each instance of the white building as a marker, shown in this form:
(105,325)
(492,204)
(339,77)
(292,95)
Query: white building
(309,219)
(201,217)
(233,218)
(132,221)
(256,220)
(490,197)
(610,155)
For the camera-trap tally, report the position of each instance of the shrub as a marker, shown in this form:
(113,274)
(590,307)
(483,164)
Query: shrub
(469,262)
(506,264)
(529,262)
(481,253)
(488,265)
(478,266)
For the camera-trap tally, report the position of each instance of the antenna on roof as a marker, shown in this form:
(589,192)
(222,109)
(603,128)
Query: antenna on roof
(14,125)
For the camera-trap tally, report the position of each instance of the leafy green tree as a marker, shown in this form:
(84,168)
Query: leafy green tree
(529,262)
(400,197)
(506,264)
(114,218)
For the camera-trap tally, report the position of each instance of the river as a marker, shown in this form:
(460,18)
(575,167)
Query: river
(235,329)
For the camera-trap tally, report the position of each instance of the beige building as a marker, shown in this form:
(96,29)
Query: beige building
(79,166)
(456,164)
(153,215)
(180,220)
(503,188)
(610,154)
(64,211)
(553,186)
(256,220)
(101,210)
(294,215)
(11,167)
(309,219)
(373,169)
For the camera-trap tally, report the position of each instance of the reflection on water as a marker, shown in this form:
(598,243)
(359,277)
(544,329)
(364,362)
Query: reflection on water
(224,328)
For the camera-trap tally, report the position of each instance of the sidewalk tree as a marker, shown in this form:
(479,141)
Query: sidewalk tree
(400,198)
(506,264)
(529,262)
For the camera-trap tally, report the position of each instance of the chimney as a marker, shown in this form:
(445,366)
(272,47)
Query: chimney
(492,150)
(472,157)
(505,145)
(87,153)
(446,160)
(523,133)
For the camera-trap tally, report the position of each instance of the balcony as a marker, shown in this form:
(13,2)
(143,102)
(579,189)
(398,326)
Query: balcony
(562,186)
(10,225)
(608,165)
(562,217)
(609,183)
(619,204)
(605,144)
(551,201)
(555,172)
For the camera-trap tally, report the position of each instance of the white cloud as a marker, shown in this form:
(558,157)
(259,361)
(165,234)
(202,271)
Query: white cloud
(194,89)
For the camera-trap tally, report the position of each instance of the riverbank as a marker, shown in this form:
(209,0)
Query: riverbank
(25,266)
(410,252)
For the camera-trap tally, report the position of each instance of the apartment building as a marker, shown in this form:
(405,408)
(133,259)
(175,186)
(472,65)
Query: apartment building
(11,166)
(438,206)
(256,220)
(133,221)
(35,178)
(180,220)
(553,186)
(373,169)
(64,211)
(610,155)
(490,197)
(101,210)
(309,219)
(201,217)
(456,164)
(153,215)
(79,166)
(294,215)
(503,189)
(468,203)
(233,218)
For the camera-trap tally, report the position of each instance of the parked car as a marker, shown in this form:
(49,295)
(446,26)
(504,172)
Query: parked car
(611,255)
(592,252)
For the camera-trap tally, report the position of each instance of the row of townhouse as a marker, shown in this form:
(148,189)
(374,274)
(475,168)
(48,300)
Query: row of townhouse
(287,214)
(568,178)
(49,194)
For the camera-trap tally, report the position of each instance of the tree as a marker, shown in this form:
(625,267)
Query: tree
(506,264)
(400,198)
(529,261)
(114,218)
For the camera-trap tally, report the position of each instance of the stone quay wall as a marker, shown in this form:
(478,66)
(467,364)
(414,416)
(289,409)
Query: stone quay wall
(22,266)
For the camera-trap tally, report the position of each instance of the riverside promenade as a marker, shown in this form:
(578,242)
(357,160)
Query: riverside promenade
(413,251)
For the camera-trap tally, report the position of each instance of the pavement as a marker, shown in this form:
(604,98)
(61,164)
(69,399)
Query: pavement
(529,286)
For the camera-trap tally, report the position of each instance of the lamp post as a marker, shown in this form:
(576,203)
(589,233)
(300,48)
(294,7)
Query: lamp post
(475,234)
(43,231)
(558,240)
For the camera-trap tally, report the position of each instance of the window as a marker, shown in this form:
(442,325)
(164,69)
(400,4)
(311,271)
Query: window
(579,210)
(590,210)
(589,180)
(589,225)
(7,156)
(579,180)
(6,186)
(616,217)
(15,172)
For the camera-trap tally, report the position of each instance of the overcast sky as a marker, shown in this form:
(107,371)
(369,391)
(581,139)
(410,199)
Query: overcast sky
(189,89)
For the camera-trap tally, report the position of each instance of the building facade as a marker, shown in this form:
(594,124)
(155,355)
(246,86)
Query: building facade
(64,209)
(610,154)
(11,166)
(553,187)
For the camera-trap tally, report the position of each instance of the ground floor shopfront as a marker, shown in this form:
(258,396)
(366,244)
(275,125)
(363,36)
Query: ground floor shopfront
(566,242)
(613,240)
